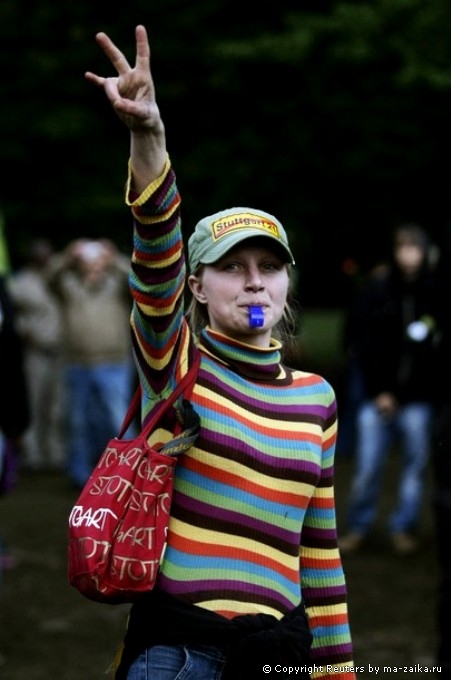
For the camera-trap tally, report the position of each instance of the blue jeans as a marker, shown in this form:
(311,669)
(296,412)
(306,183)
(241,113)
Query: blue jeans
(97,400)
(162,662)
(375,437)
(178,663)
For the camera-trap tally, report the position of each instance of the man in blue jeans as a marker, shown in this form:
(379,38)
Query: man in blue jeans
(441,467)
(394,335)
(90,279)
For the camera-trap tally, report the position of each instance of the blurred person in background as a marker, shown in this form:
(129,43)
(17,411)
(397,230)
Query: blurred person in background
(38,321)
(352,386)
(14,398)
(393,331)
(14,402)
(441,465)
(90,278)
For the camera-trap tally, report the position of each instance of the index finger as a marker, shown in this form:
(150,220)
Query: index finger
(113,53)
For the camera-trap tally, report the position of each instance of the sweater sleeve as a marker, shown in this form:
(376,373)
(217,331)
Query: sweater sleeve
(157,282)
(322,576)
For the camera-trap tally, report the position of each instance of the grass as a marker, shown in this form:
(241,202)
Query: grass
(48,630)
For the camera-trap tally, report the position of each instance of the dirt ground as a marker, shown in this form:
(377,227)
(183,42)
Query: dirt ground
(48,630)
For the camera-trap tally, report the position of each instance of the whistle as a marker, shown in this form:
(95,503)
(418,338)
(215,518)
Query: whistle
(256,316)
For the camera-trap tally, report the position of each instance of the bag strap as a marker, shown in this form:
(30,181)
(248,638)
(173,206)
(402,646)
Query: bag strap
(164,405)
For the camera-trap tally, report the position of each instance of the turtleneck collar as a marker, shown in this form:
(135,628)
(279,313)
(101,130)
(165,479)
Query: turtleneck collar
(257,363)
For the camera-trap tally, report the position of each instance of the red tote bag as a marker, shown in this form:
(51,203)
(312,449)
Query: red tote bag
(118,525)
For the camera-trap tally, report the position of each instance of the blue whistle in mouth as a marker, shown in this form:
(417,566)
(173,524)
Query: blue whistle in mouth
(256,316)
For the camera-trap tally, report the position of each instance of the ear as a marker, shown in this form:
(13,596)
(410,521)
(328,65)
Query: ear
(195,284)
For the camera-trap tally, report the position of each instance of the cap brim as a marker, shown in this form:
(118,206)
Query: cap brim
(222,247)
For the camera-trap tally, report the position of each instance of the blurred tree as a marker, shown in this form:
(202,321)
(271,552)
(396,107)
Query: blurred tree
(333,115)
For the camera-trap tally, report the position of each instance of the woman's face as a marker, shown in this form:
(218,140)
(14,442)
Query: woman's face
(247,275)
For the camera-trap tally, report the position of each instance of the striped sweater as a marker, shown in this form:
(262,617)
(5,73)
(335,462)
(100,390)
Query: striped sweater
(252,527)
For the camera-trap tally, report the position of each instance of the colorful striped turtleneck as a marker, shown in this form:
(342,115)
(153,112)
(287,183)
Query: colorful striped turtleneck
(252,527)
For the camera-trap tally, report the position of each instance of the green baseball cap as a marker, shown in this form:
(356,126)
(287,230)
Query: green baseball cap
(216,234)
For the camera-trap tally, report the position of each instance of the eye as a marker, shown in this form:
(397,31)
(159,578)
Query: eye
(231,266)
(272,265)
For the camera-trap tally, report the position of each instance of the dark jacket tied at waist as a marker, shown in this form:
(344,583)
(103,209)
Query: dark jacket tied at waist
(249,641)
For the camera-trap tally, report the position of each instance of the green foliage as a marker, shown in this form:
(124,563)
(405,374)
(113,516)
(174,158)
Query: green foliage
(332,115)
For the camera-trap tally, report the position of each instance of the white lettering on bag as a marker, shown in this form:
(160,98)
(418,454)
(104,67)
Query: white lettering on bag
(150,503)
(89,548)
(89,518)
(136,570)
(112,486)
(142,536)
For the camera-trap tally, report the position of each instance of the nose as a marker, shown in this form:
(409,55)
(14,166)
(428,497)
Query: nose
(254,279)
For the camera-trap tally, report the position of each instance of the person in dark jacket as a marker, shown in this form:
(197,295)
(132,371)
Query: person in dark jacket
(441,467)
(393,326)
(14,404)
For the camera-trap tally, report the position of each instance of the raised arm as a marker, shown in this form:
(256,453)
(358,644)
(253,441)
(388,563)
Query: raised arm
(132,96)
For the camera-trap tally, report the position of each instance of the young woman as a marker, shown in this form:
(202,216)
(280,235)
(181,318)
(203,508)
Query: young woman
(251,584)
